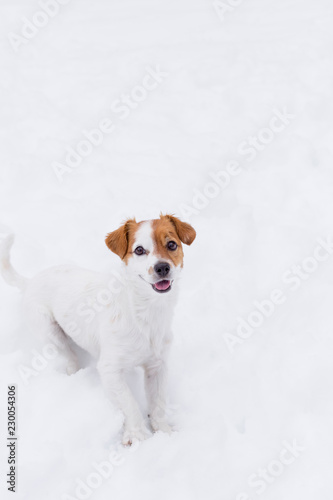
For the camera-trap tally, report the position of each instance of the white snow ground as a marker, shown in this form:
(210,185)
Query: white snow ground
(227,79)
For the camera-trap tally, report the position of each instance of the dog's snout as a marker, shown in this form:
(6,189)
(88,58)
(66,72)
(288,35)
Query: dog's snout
(162,269)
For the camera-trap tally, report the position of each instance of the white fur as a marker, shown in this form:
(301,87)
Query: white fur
(119,319)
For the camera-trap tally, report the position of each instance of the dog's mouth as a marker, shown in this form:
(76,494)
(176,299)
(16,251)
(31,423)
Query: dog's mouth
(162,286)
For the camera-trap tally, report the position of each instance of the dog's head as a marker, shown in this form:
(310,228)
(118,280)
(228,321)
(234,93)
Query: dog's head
(152,250)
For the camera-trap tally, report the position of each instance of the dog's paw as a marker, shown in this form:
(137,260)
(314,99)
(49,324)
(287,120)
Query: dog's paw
(161,425)
(132,435)
(72,367)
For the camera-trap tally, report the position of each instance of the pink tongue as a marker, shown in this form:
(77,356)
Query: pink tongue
(162,285)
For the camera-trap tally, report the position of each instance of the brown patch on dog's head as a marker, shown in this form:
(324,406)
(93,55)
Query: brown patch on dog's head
(185,231)
(165,229)
(169,228)
(121,240)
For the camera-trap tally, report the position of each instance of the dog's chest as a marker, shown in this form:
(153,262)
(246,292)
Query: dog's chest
(144,337)
(151,334)
(136,331)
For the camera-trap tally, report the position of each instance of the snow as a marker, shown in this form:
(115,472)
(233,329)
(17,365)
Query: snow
(225,78)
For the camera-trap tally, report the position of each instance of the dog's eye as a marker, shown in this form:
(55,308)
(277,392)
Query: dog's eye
(172,245)
(139,251)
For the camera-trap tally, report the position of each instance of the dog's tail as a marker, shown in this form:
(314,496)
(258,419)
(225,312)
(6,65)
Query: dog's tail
(8,272)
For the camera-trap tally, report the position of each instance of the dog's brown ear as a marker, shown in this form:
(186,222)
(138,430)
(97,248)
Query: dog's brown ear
(117,241)
(185,231)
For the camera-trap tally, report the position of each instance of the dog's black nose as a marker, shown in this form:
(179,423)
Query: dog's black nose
(162,269)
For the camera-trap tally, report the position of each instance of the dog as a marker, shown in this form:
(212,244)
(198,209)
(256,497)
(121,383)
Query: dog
(124,319)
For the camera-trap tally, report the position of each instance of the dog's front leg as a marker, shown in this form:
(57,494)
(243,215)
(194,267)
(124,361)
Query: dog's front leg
(118,391)
(155,383)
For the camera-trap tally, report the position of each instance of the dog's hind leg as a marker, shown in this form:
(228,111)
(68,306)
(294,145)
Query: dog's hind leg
(43,323)
(61,340)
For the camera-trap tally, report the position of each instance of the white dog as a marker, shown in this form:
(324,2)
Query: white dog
(124,322)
